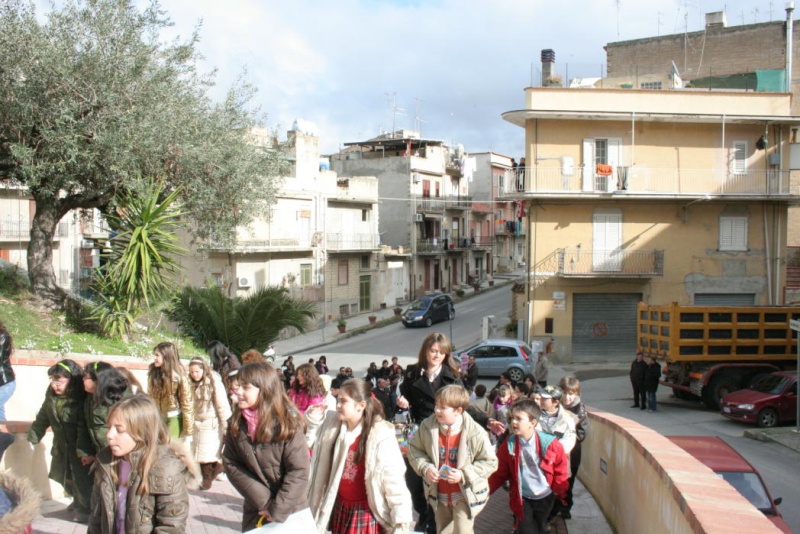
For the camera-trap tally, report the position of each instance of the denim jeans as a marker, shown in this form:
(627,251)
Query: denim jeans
(6,390)
(651,400)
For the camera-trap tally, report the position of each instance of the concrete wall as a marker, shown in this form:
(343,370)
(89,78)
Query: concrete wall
(644,483)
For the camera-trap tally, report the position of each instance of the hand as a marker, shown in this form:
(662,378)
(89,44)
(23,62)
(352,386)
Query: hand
(496,427)
(87,460)
(402,403)
(431,475)
(454,476)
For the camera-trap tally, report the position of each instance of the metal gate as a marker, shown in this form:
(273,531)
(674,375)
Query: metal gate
(604,326)
(724,299)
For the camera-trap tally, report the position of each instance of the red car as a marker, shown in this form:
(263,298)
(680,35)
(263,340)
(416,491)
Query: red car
(736,471)
(770,400)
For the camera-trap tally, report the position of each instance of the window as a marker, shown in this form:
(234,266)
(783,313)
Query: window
(305,274)
(739,157)
(601,151)
(343,273)
(650,85)
(365,261)
(733,233)
(364,215)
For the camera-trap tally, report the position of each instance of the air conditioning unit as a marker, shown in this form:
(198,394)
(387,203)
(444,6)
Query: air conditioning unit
(419,217)
(244,281)
(87,243)
(415,177)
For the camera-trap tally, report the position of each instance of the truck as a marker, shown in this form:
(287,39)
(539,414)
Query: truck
(710,351)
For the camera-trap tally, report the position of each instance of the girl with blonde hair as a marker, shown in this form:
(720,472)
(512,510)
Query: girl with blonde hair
(211,413)
(141,479)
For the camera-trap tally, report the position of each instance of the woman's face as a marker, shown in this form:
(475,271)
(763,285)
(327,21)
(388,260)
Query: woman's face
(89,385)
(247,395)
(435,356)
(158,359)
(196,372)
(301,379)
(59,384)
(120,441)
(529,382)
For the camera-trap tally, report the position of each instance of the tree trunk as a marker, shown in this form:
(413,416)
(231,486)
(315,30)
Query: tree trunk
(40,253)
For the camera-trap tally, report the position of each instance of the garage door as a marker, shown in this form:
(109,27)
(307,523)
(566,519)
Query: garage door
(604,326)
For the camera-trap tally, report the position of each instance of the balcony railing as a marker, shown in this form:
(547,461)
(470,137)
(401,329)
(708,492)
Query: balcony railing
(617,263)
(15,230)
(430,246)
(276,243)
(645,180)
(335,241)
(431,204)
(482,241)
(460,202)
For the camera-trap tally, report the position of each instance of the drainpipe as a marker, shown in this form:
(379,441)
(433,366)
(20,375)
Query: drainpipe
(789,30)
(768,259)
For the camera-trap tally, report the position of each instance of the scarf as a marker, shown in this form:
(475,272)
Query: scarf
(251,418)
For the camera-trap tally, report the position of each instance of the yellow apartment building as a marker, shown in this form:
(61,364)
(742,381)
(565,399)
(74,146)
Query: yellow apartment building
(656,196)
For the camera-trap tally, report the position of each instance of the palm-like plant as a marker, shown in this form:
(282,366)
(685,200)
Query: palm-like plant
(241,323)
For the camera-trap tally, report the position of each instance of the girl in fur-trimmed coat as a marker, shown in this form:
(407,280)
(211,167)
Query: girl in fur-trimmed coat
(358,474)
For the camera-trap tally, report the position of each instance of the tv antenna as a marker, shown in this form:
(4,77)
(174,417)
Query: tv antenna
(417,119)
(391,100)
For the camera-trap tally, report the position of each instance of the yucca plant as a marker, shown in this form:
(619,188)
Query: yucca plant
(241,323)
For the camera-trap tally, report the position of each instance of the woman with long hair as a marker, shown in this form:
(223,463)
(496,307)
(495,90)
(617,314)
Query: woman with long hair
(141,479)
(168,385)
(223,361)
(265,456)
(7,379)
(435,369)
(357,481)
(211,413)
(307,389)
(62,412)
(105,385)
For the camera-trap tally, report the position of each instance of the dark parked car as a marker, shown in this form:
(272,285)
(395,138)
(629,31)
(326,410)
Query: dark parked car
(429,309)
(494,356)
(736,471)
(772,399)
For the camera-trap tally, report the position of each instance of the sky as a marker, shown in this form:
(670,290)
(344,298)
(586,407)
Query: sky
(448,68)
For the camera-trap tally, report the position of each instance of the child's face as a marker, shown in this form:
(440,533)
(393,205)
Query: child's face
(158,359)
(89,385)
(247,395)
(349,410)
(59,384)
(535,397)
(548,404)
(119,441)
(570,397)
(447,415)
(521,424)
(196,372)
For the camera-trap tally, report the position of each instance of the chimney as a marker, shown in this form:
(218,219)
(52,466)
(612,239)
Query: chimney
(548,65)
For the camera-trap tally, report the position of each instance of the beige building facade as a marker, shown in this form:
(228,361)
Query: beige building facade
(655,196)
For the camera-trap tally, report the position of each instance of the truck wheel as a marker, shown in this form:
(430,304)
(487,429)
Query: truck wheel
(718,388)
(767,418)
(682,395)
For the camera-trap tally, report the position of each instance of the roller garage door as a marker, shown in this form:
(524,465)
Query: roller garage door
(604,326)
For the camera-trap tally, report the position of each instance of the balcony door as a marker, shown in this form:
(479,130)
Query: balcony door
(607,238)
(601,151)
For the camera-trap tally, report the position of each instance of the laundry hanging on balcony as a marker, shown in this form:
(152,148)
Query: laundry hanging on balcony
(604,170)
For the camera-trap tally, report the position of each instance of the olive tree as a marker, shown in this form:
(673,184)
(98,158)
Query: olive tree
(93,100)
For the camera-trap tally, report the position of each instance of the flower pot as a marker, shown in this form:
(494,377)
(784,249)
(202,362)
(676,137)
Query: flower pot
(342,328)
(372,319)
(491,283)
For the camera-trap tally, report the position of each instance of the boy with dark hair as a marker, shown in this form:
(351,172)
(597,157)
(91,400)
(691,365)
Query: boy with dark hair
(454,457)
(536,466)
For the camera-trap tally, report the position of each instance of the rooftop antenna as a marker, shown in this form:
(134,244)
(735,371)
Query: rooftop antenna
(619,5)
(391,99)
(417,119)
(658,23)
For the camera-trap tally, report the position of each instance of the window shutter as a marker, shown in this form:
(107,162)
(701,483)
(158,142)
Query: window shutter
(739,157)
(733,233)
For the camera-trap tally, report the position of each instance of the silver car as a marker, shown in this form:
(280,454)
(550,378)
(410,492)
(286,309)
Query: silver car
(495,356)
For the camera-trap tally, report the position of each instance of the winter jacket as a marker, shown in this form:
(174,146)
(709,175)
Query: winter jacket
(638,372)
(6,371)
(578,409)
(652,376)
(164,509)
(70,435)
(419,392)
(179,397)
(542,369)
(301,399)
(389,499)
(476,460)
(272,477)
(26,503)
(472,376)
(553,462)
(562,426)
(96,418)
(211,413)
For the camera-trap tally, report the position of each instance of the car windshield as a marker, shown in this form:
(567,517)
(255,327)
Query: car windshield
(751,487)
(418,305)
(772,384)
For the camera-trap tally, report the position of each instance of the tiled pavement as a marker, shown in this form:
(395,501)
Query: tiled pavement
(219,510)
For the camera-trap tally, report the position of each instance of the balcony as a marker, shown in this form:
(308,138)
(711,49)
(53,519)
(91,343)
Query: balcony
(458,202)
(336,242)
(582,263)
(643,180)
(482,241)
(509,228)
(15,230)
(287,244)
(432,205)
(430,246)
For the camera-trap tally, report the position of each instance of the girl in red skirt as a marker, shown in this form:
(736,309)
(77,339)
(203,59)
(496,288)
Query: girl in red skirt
(357,462)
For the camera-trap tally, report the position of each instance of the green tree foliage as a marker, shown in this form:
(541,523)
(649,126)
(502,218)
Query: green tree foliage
(251,322)
(142,259)
(93,100)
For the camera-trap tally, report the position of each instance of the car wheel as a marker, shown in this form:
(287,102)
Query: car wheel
(767,418)
(452,314)
(428,322)
(515,374)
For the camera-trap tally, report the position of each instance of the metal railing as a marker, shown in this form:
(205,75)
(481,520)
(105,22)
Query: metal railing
(15,229)
(282,242)
(431,204)
(336,241)
(430,245)
(482,241)
(576,261)
(458,202)
(640,179)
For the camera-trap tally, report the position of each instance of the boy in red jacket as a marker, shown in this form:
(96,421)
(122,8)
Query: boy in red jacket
(535,465)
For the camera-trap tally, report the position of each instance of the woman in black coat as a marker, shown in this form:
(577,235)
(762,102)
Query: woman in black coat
(435,368)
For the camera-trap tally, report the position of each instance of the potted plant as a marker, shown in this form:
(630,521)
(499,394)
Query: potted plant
(459,292)
(397,311)
(490,280)
(373,319)
(341,324)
